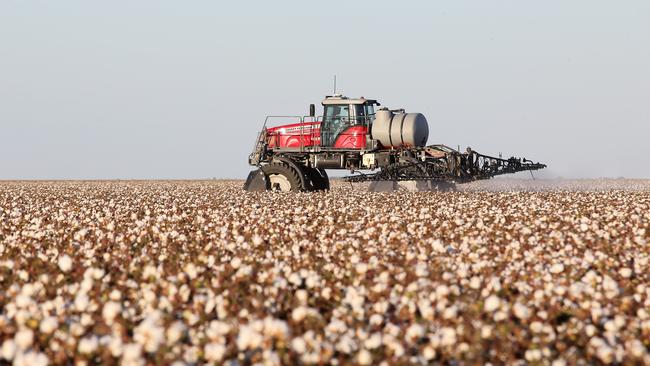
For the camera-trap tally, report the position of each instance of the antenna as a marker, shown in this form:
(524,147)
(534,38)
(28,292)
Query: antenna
(334,84)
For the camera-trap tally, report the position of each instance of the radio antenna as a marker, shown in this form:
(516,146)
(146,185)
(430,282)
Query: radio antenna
(334,84)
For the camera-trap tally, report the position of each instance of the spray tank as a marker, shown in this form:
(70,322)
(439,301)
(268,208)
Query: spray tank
(400,129)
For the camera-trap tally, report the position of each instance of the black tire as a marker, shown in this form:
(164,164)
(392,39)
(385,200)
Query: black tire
(274,181)
(318,179)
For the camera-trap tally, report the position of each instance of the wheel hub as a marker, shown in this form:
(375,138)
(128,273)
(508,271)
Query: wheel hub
(279,183)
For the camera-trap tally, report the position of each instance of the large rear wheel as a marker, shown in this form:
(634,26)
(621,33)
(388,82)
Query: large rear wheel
(282,177)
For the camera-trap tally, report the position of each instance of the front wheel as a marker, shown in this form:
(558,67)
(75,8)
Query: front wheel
(282,177)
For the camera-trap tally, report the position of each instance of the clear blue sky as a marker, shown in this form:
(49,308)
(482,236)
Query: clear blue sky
(178,89)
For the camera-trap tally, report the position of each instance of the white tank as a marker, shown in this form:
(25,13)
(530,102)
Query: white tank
(400,129)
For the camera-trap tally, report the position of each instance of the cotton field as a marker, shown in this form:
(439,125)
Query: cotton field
(201,272)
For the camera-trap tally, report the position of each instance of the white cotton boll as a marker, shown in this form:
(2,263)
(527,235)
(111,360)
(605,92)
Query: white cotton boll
(373,342)
(611,326)
(191,271)
(110,311)
(447,336)
(610,286)
(557,268)
(364,357)
(590,330)
(345,344)
(214,352)
(65,263)
(636,348)
(475,283)
(442,291)
(244,271)
(275,328)
(235,263)
(185,293)
(558,362)
(149,272)
(149,296)
(149,334)
(361,268)
(299,345)
(533,355)
(115,295)
(115,346)
(521,311)
(86,284)
(98,273)
(248,338)
(257,240)
(625,272)
(311,281)
(88,345)
(132,353)
(8,350)
(414,332)
(299,313)
(86,320)
(175,332)
(24,339)
(429,353)
(326,293)
(30,358)
(536,327)
(605,353)
(492,303)
(302,296)
(486,332)
(500,316)
(421,269)
(81,302)
(48,325)
(376,319)
(23,301)
(295,279)
(77,329)
(219,328)
(450,312)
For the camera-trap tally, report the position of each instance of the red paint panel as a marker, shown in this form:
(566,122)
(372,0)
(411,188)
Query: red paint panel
(352,138)
(292,134)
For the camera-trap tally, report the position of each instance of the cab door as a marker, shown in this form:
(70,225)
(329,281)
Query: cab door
(336,119)
(354,136)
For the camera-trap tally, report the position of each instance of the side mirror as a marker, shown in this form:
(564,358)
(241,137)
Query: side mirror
(312,110)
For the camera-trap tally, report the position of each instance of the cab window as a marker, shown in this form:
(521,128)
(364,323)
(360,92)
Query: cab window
(364,113)
(335,111)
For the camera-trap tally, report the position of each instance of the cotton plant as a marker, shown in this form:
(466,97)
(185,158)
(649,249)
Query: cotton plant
(201,272)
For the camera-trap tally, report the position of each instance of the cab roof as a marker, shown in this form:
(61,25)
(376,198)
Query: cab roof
(341,99)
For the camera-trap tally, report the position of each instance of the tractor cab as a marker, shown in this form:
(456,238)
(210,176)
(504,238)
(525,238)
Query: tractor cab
(344,125)
(346,122)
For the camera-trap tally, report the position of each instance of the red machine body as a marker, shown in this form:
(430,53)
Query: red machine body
(308,134)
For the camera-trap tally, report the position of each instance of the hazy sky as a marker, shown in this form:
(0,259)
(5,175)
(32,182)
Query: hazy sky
(179,89)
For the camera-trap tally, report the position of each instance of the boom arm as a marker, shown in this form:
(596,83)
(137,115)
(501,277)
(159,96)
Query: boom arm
(442,163)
